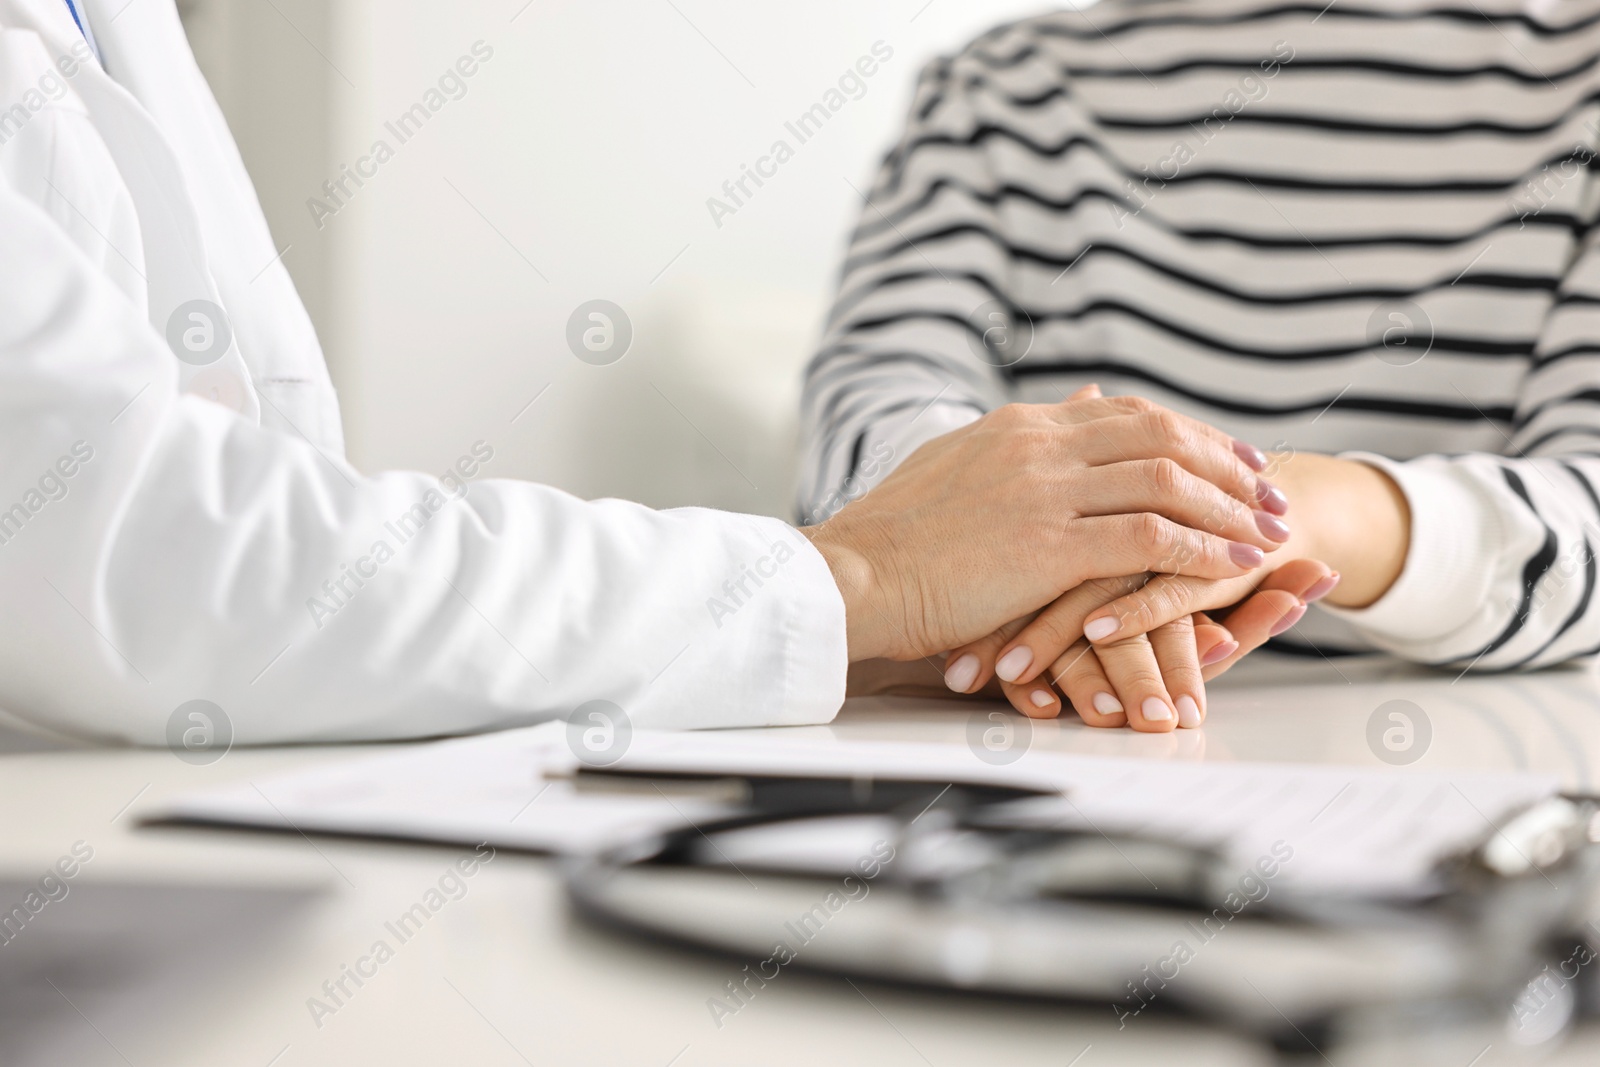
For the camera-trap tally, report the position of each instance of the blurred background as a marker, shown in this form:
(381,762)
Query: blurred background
(575,164)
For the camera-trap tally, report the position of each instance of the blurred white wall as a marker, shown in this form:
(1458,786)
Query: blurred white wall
(574,164)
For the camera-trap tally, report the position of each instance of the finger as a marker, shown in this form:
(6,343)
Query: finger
(1053,630)
(1163,487)
(1308,579)
(1159,601)
(1264,615)
(1078,410)
(969,668)
(1165,598)
(1274,608)
(1077,673)
(1198,448)
(1106,546)
(1036,700)
(1134,673)
(1213,642)
(1086,392)
(1178,659)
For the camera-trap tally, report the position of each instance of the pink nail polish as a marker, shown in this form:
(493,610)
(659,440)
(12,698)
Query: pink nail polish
(1155,710)
(1220,653)
(1106,704)
(1245,555)
(1321,589)
(960,675)
(1253,456)
(1100,629)
(1274,528)
(1271,498)
(1288,620)
(1013,663)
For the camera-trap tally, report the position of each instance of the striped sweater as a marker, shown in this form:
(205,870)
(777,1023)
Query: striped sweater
(1365,227)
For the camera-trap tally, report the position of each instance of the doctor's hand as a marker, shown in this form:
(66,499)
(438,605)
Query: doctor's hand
(997,519)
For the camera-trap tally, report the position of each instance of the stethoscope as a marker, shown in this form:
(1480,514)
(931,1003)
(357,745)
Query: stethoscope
(947,885)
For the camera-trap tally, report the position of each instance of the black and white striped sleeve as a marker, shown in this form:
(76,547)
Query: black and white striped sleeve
(1501,573)
(1246,154)
(899,362)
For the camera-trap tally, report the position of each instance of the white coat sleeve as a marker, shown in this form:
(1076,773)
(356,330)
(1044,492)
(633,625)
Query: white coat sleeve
(157,549)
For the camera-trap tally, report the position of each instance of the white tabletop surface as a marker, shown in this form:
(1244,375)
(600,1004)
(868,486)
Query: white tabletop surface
(506,975)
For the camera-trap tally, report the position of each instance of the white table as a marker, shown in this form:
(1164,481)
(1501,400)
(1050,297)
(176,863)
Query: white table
(506,976)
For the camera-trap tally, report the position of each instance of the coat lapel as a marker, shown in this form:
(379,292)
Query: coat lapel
(175,260)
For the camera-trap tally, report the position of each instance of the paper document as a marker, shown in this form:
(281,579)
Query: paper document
(1350,829)
(490,788)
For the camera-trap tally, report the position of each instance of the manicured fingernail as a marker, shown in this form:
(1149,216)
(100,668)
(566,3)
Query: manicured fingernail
(1220,653)
(1288,620)
(1155,710)
(1188,713)
(1106,704)
(1272,528)
(962,673)
(1271,497)
(1041,698)
(1242,554)
(1321,589)
(1102,628)
(1252,455)
(1013,663)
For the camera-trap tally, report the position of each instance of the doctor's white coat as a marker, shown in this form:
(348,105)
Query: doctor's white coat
(177,520)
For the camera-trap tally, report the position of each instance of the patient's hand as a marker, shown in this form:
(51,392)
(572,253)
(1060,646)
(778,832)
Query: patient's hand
(1153,681)
(1346,512)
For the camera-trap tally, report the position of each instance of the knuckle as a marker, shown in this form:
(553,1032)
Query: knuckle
(1244,482)
(1140,678)
(1148,425)
(1013,416)
(1056,631)
(1224,514)
(1166,476)
(1096,587)
(1184,550)
(1169,426)
(1150,607)
(1172,602)
(1171,557)
(1002,419)
(1183,625)
(1142,613)
(1097,591)
(1151,532)
(1076,669)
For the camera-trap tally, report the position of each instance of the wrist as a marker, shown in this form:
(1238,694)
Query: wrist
(866,634)
(1351,516)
